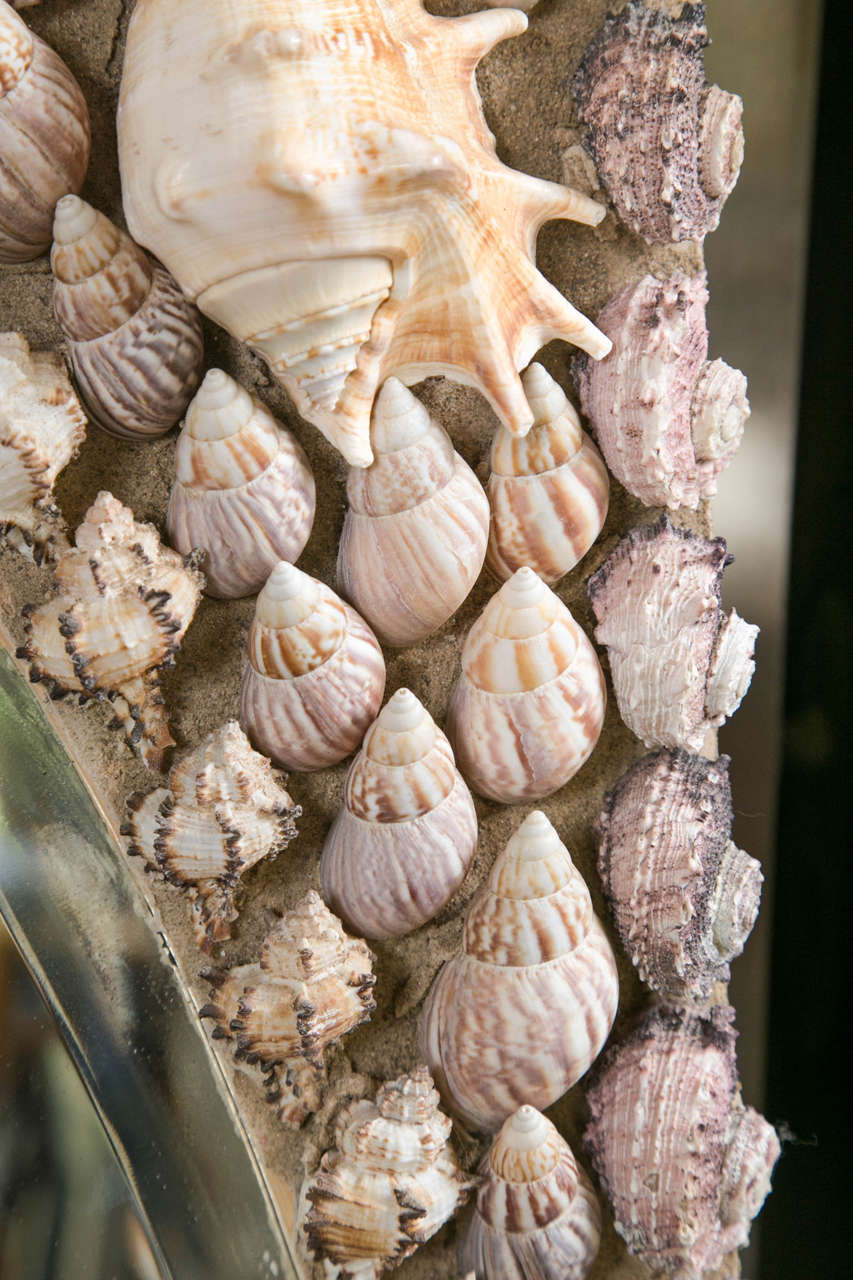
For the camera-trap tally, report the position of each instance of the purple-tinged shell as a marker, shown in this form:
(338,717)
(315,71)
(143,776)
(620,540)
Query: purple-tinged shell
(684,897)
(685,1165)
(667,421)
(668,147)
(680,667)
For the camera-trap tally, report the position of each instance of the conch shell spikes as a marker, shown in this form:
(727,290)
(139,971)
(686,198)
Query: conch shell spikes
(385,237)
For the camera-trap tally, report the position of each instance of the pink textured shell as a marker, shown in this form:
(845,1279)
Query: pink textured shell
(685,1165)
(667,421)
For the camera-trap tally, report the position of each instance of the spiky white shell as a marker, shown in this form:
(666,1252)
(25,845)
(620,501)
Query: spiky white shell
(415,533)
(404,839)
(528,707)
(521,1013)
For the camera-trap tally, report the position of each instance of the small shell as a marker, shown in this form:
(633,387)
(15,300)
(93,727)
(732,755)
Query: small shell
(668,147)
(134,340)
(44,138)
(415,535)
(222,812)
(548,490)
(684,897)
(42,425)
(680,667)
(244,491)
(685,1165)
(537,1216)
(312,985)
(667,421)
(528,707)
(401,845)
(524,1009)
(315,677)
(389,1185)
(122,605)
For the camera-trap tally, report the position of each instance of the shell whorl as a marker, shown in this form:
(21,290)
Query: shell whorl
(404,736)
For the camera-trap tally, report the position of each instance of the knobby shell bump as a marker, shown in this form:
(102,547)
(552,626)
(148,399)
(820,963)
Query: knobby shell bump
(680,667)
(134,340)
(523,1010)
(122,605)
(668,422)
(548,491)
(527,710)
(537,1216)
(404,839)
(668,147)
(244,492)
(685,1165)
(42,425)
(414,537)
(222,812)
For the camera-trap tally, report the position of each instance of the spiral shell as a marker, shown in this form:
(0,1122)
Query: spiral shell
(680,667)
(134,340)
(312,985)
(548,491)
(686,1167)
(668,421)
(44,138)
(521,1013)
(42,425)
(537,1216)
(388,1186)
(668,147)
(528,707)
(222,812)
(122,605)
(244,491)
(415,535)
(315,676)
(401,845)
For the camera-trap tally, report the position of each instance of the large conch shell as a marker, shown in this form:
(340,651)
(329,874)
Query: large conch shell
(685,1165)
(244,491)
(524,1009)
(315,676)
(415,535)
(122,605)
(222,812)
(537,1216)
(312,985)
(318,176)
(404,839)
(528,707)
(388,1186)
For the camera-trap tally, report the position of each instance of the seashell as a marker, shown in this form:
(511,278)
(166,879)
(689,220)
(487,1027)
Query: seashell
(548,491)
(667,421)
(244,491)
(44,138)
(222,812)
(528,707)
(524,1009)
(122,605)
(414,537)
(315,676)
(374,234)
(134,340)
(388,1185)
(684,897)
(685,1165)
(42,425)
(537,1216)
(680,667)
(312,985)
(404,839)
(668,147)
